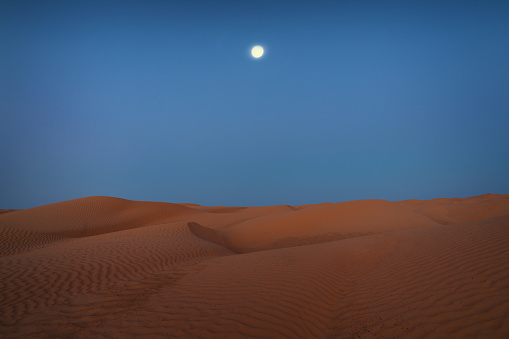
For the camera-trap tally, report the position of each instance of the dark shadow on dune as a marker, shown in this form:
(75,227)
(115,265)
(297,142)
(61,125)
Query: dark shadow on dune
(215,236)
(221,238)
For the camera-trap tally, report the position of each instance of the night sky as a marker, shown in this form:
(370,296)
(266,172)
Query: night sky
(162,101)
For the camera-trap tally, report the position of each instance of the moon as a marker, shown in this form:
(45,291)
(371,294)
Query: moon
(257,51)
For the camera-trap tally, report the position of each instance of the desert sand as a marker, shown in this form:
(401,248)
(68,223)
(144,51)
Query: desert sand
(109,267)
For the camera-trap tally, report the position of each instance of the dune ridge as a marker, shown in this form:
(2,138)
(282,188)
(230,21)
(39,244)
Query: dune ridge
(102,266)
(93,215)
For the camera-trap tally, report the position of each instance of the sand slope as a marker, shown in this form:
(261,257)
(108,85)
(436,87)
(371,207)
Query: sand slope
(410,283)
(108,267)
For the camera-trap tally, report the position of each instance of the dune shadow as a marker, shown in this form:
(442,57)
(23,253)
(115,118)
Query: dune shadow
(221,238)
(209,234)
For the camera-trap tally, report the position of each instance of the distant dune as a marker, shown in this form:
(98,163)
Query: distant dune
(109,267)
(6,211)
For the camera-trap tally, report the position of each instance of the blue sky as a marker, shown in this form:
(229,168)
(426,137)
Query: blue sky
(160,100)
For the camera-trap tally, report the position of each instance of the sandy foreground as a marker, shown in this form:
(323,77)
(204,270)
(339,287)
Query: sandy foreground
(109,267)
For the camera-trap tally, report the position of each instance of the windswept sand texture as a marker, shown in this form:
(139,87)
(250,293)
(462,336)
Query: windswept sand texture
(109,267)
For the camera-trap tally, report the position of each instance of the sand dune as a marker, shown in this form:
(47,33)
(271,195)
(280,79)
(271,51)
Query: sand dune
(108,267)
(450,211)
(322,223)
(93,215)
(6,210)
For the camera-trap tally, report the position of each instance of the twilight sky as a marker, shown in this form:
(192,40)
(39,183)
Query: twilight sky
(161,100)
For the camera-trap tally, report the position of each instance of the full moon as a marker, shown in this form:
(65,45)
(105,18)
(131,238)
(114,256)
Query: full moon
(257,51)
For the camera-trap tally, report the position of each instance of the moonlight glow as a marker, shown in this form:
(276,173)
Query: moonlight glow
(257,51)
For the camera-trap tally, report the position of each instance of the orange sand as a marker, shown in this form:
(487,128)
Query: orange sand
(109,267)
